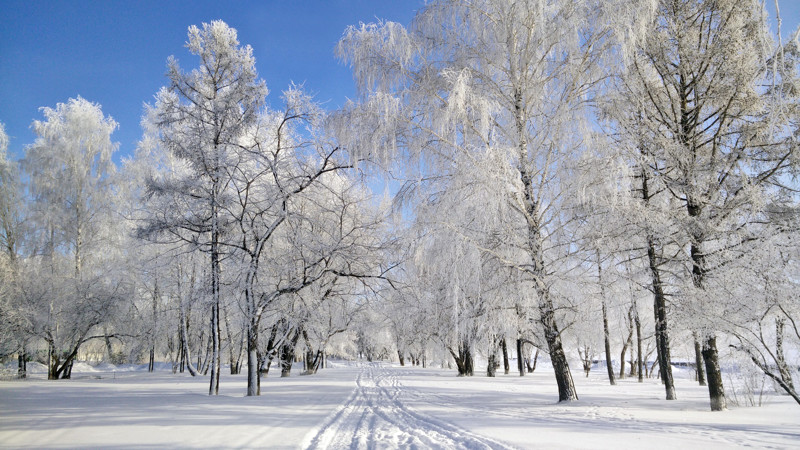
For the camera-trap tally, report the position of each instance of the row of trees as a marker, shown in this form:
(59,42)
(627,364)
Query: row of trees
(565,165)
(556,144)
(250,214)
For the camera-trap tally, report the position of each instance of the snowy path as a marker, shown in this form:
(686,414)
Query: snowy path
(356,405)
(376,416)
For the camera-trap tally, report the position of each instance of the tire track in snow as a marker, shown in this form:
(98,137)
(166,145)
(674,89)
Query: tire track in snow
(375,416)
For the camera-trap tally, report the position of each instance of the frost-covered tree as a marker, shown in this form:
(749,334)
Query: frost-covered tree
(72,282)
(508,80)
(200,118)
(10,201)
(11,234)
(711,139)
(764,311)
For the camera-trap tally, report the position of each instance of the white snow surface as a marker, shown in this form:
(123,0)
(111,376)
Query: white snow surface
(376,405)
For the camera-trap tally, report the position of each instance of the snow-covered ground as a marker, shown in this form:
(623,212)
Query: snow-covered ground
(376,405)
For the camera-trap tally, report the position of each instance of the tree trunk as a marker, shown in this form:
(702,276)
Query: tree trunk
(506,365)
(213,388)
(463,359)
(183,332)
(716,392)
(622,359)
(698,361)
(547,314)
(229,335)
(520,363)
(253,372)
(270,352)
(639,359)
(566,387)
(182,356)
(606,334)
(609,361)
(314,361)
(662,332)
(216,273)
(632,360)
(287,354)
(109,348)
(532,367)
(62,370)
(152,363)
(780,358)
(22,364)
(493,364)
(401,357)
(586,360)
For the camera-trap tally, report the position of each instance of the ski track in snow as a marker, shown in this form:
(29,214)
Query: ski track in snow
(615,416)
(375,416)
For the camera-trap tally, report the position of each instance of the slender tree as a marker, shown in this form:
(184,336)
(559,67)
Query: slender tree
(714,142)
(200,119)
(71,181)
(501,81)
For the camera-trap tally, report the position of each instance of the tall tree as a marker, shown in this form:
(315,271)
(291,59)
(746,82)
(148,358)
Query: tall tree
(714,141)
(508,79)
(11,233)
(71,182)
(200,119)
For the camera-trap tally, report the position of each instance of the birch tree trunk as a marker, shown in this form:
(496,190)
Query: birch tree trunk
(606,334)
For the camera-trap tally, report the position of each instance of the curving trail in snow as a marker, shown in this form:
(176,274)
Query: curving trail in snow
(376,416)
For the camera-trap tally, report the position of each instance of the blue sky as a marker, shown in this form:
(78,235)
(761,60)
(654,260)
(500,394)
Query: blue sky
(114,52)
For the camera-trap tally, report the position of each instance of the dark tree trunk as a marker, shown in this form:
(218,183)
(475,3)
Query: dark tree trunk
(520,362)
(183,334)
(313,361)
(181,355)
(271,350)
(535,244)
(607,338)
(659,302)
(586,360)
(566,387)
(633,359)
(493,364)
(109,348)
(506,365)
(698,361)
(152,363)
(606,333)
(287,354)
(716,391)
(639,358)
(463,359)
(532,367)
(662,331)
(213,388)
(491,367)
(58,369)
(234,351)
(402,358)
(22,365)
